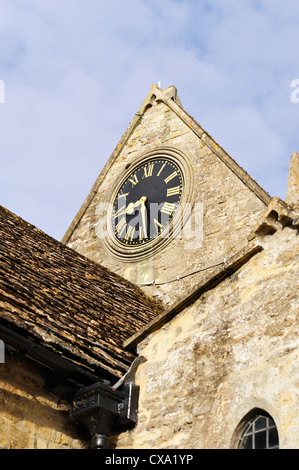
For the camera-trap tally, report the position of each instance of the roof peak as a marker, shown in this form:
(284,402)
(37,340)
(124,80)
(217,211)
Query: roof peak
(171,92)
(170,98)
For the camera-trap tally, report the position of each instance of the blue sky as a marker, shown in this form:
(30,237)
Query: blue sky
(76,71)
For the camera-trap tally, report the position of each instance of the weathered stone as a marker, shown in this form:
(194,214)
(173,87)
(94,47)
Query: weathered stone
(292,197)
(227,342)
(32,417)
(234,349)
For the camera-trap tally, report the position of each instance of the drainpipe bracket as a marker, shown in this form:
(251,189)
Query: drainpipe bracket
(102,408)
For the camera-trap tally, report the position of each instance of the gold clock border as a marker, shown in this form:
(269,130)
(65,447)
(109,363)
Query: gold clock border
(135,253)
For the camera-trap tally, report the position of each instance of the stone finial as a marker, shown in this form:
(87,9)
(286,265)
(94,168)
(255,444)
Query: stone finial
(293,181)
(171,92)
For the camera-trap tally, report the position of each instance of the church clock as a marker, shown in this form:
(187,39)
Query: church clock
(146,202)
(147,208)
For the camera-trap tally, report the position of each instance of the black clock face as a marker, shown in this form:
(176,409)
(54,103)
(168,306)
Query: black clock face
(147,202)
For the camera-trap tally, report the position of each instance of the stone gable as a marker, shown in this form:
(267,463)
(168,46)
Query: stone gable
(225,203)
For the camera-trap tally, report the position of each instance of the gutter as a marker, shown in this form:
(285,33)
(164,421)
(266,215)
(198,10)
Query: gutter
(47,358)
(98,405)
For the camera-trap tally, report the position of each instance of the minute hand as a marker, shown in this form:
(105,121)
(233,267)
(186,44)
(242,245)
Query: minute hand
(143,214)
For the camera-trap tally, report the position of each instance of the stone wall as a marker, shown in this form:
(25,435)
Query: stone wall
(233,350)
(32,416)
(228,207)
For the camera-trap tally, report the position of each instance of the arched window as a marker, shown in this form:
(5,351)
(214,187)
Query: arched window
(258,431)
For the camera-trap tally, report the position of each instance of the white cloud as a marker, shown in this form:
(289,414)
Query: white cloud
(76,72)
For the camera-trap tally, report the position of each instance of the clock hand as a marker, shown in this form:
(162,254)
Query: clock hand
(143,213)
(130,209)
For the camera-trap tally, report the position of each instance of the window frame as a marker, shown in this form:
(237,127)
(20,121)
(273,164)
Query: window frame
(247,428)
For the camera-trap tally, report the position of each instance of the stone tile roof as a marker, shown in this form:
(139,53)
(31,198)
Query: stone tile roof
(66,303)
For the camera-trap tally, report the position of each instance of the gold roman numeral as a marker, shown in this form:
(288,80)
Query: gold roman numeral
(130,233)
(134,180)
(123,195)
(170,177)
(158,225)
(173,191)
(168,208)
(121,226)
(119,212)
(158,174)
(148,170)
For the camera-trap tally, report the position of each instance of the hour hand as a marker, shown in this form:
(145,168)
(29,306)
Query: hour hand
(131,207)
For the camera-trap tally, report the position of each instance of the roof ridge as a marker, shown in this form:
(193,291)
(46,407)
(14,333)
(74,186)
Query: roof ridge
(216,148)
(211,280)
